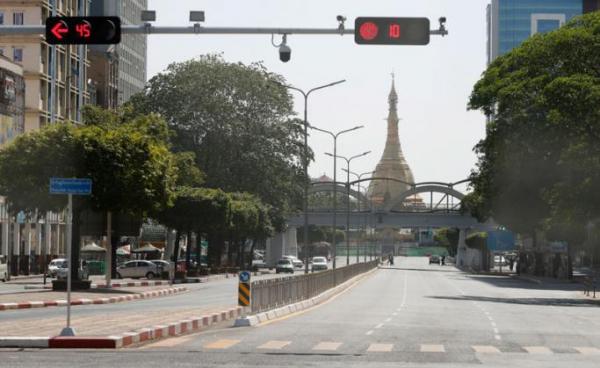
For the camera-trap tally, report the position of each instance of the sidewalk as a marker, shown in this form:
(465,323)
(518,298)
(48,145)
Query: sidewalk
(104,325)
(41,299)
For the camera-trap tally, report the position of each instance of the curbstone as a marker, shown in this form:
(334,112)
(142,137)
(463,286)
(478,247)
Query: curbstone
(85,301)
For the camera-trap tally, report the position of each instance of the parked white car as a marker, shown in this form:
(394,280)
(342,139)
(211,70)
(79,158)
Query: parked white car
(3,268)
(162,264)
(295,261)
(62,272)
(137,269)
(55,265)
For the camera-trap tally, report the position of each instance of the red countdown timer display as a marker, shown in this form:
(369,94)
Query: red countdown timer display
(391,31)
(83,30)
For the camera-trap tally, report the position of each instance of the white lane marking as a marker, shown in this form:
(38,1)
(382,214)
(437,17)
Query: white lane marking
(538,350)
(432,348)
(496,331)
(327,346)
(497,337)
(370,332)
(387,320)
(380,348)
(588,350)
(405,287)
(494,324)
(275,345)
(379,325)
(485,349)
(394,314)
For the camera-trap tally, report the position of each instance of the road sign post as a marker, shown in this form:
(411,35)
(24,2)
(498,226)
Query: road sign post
(244,291)
(70,187)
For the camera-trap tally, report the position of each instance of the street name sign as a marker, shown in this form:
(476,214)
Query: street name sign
(70,186)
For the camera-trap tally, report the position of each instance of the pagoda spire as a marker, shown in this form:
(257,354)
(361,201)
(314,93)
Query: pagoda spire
(392,163)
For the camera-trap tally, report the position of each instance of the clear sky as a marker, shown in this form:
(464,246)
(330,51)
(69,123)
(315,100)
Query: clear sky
(433,82)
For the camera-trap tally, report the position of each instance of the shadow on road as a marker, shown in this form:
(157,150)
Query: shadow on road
(448,270)
(515,283)
(562,302)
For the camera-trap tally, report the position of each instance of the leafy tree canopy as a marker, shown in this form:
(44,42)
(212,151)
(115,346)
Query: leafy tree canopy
(236,119)
(540,160)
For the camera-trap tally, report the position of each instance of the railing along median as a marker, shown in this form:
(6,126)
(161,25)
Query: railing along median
(274,293)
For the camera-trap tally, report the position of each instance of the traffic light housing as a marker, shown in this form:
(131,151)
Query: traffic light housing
(391,31)
(83,30)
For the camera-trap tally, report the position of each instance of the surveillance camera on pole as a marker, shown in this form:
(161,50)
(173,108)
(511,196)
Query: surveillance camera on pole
(285,52)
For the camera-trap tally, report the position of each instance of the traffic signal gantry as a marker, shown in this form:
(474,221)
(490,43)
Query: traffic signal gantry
(108,30)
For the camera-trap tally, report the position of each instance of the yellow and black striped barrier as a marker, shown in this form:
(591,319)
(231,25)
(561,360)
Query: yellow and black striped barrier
(244,294)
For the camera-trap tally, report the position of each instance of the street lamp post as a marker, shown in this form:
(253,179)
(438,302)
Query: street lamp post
(305,160)
(359,177)
(348,160)
(335,136)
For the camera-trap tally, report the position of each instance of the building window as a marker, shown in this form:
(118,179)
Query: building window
(18,18)
(546,22)
(18,54)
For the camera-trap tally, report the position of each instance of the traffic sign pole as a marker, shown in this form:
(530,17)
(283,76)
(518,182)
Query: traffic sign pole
(68,331)
(244,291)
(70,187)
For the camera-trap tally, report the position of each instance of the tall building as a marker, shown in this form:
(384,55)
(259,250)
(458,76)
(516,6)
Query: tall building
(128,58)
(35,55)
(510,22)
(12,100)
(392,163)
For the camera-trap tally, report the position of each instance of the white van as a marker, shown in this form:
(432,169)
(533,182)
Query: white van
(3,269)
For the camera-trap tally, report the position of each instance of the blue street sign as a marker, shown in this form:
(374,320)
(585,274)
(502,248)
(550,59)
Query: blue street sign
(244,276)
(70,186)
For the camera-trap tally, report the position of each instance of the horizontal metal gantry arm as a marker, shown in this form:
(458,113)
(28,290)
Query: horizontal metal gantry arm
(198,29)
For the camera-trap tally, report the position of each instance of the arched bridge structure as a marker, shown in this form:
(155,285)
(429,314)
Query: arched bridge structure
(329,186)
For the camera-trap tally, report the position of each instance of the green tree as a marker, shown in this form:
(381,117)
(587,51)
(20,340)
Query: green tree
(130,165)
(236,119)
(540,161)
(448,238)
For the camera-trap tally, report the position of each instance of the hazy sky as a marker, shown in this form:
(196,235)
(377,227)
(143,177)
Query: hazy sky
(437,132)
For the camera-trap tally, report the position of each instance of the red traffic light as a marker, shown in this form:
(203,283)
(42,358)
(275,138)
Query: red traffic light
(391,31)
(83,30)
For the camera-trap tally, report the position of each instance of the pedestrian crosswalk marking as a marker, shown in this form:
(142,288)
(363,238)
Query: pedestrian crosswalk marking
(222,344)
(588,350)
(432,348)
(380,348)
(485,349)
(537,350)
(327,346)
(274,344)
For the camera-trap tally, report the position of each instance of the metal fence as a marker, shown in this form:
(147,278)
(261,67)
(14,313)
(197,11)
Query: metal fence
(274,293)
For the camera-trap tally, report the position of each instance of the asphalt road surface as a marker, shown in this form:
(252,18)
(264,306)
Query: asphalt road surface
(413,314)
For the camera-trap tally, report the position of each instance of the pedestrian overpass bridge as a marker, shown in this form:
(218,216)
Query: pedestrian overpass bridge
(443,209)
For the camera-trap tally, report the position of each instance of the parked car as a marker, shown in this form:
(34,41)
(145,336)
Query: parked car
(162,265)
(137,269)
(284,265)
(319,263)
(62,272)
(3,269)
(258,263)
(434,258)
(500,261)
(295,261)
(55,265)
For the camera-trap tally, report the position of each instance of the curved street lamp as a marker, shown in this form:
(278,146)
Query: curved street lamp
(348,160)
(335,136)
(305,160)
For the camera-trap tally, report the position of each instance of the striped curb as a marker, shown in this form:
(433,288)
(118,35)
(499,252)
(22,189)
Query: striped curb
(127,339)
(84,301)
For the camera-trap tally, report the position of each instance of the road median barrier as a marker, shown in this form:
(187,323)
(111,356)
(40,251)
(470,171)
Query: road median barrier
(274,298)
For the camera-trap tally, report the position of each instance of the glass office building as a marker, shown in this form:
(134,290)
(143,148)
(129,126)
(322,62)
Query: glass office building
(510,22)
